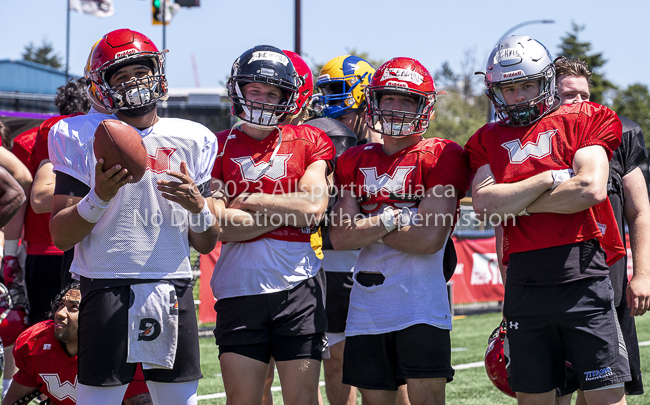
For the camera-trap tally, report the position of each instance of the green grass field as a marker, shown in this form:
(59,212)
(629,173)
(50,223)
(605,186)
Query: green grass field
(470,386)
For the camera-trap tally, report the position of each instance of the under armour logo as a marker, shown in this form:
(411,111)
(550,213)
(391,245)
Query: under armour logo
(59,390)
(160,162)
(391,184)
(47,346)
(252,171)
(519,154)
(514,325)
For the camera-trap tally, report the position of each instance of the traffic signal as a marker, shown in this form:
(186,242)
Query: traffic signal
(157,11)
(188,3)
(156,16)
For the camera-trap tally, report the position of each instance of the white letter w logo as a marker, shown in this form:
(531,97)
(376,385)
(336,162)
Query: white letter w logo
(392,184)
(252,171)
(58,390)
(542,148)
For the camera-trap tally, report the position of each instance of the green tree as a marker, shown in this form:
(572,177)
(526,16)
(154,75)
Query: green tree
(634,103)
(42,54)
(572,47)
(458,118)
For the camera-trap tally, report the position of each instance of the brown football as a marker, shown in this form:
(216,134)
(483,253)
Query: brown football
(120,144)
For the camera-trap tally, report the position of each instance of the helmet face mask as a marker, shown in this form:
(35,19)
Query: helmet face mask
(403,77)
(116,50)
(341,84)
(267,65)
(519,59)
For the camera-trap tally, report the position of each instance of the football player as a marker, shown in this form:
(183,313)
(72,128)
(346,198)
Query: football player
(629,198)
(337,265)
(270,187)
(397,203)
(542,171)
(44,260)
(341,96)
(133,239)
(46,356)
(44,180)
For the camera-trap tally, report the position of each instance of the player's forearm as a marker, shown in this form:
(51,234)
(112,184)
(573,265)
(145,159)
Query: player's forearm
(574,195)
(11,200)
(422,239)
(239,226)
(297,209)
(509,198)
(14,228)
(355,232)
(639,227)
(68,228)
(43,189)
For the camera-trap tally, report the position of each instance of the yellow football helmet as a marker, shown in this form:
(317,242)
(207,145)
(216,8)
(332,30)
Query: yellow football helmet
(341,84)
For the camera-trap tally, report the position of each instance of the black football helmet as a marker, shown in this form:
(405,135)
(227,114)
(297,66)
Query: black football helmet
(269,65)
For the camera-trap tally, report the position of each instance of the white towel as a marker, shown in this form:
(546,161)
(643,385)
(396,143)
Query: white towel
(153,325)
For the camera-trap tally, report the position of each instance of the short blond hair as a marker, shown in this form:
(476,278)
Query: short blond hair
(572,67)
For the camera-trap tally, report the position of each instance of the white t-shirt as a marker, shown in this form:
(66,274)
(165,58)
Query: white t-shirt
(262,266)
(141,234)
(339,261)
(414,292)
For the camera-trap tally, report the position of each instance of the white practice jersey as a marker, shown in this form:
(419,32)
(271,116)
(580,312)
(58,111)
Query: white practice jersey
(141,234)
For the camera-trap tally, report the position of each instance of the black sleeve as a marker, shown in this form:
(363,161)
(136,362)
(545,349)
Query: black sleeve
(68,185)
(204,189)
(634,144)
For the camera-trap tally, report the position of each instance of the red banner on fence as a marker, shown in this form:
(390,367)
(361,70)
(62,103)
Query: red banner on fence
(477,277)
(206,265)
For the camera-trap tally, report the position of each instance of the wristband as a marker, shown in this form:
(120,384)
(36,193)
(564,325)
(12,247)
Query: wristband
(388,219)
(524,212)
(91,207)
(202,221)
(11,247)
(560,176)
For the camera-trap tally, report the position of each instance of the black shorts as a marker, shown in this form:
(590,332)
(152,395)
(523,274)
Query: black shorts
(103,344)
(628,328)
(287,325)
(43,282)
(575,321)
(339,286)
(385,361)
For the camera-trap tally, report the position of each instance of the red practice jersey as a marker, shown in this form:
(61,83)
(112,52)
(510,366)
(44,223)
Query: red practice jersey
(244,166)
(515,154)
(43,364)
(431,163)
(37,226)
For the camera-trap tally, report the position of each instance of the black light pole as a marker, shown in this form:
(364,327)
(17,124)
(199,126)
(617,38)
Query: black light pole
(490,117)
(164,23)
(296,46)
(67,43)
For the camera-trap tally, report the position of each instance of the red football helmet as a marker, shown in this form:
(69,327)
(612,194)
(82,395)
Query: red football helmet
(496,360)
(406,77)
(12,321)
(122,47)
(306,78)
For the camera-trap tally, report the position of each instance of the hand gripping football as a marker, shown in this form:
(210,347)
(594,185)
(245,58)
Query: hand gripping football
(120,144)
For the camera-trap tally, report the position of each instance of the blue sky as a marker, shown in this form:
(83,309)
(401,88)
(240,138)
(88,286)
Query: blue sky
(429,30)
